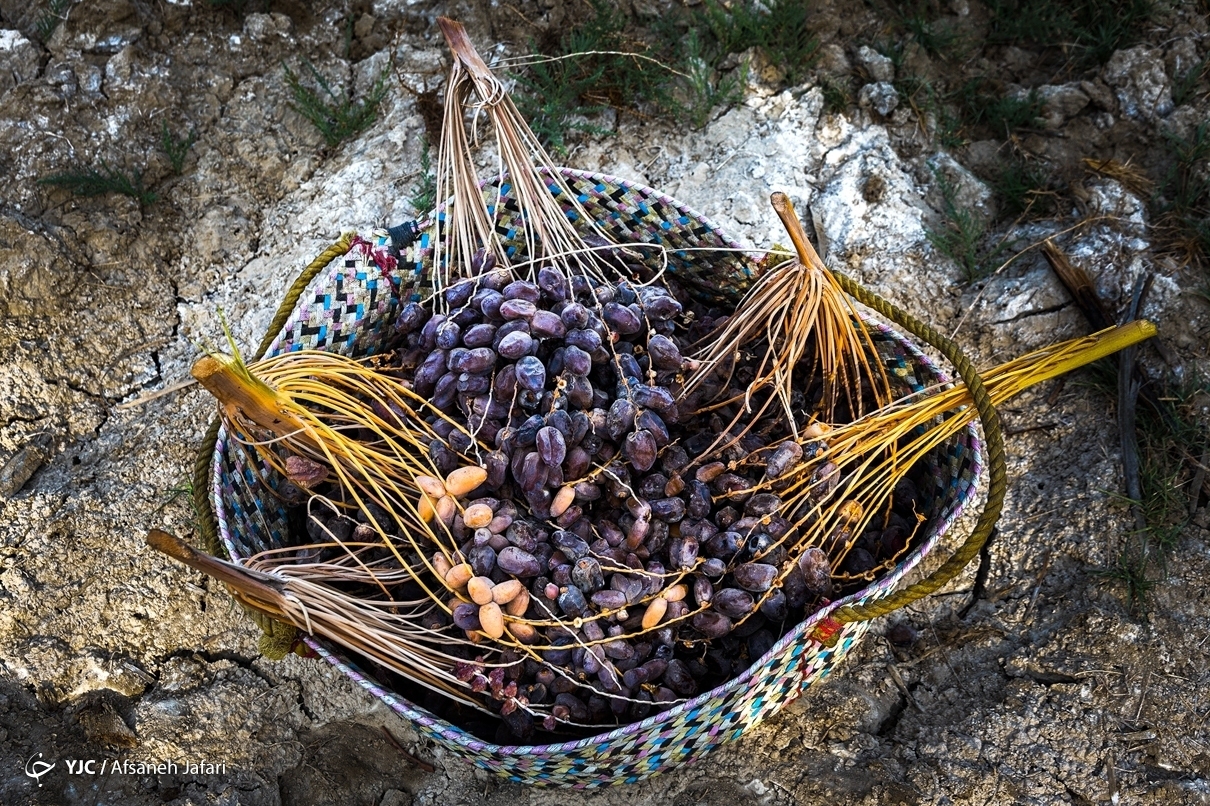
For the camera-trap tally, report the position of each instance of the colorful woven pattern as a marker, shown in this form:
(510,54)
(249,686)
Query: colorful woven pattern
(627,213)
(347,308)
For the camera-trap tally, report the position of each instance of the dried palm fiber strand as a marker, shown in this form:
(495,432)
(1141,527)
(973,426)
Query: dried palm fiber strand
(393,632)
(548,205)
(859,452)
(799,319)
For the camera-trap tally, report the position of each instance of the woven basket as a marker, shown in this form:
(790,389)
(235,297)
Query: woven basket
(350,299)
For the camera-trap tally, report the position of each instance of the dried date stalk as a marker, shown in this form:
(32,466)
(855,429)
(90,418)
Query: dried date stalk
(802,325)
(546,205)
(873,453)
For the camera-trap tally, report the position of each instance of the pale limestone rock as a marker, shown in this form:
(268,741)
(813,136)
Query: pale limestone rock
(18,59)
(1063,102)
(879,67)
(882,98)
(1140,82)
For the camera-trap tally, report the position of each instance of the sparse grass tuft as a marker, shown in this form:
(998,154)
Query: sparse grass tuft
(837,94)
(921,95)
(48,22)
(938,38)
(1001,114)
(551,101)
(701,91)
(1092,29)
(1183,195)
(1171,442)
(620,81)
(182,490)
(591,70)
(102,182)
(1184,86)
(176,148)
(336,115)
(1022,189)
(1132,570)
(949,129)
(961,236)
(425,197)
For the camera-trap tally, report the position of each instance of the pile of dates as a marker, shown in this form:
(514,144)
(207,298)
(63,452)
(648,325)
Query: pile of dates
(598,529)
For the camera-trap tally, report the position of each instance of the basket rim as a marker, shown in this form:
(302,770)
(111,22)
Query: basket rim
(426,221)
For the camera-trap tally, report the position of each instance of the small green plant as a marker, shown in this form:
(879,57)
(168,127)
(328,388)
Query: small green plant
(702,91)
(1092,29)
(837,94)
(552,102)
(917,93)
(1104,27)
(779,28)
(937,37)
(336,115)
(1001,114)
(922,96)
(102,182)
(176,148)
(425,197)
(627,78)
(1183,195)
(350,22)
(49,20)
(962,233)
(893,49)
(949,129)
(1133,570)
(1022,188)
(594,66)
(1184,87)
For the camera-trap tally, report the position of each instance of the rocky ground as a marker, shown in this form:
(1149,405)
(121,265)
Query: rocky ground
(1032,680)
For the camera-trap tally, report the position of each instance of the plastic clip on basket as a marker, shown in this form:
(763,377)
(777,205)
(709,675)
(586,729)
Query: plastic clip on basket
(346,300)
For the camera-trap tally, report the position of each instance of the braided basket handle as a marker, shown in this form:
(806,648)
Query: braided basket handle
(827,632)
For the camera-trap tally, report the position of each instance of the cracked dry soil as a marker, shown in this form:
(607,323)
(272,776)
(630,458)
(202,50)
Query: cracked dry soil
(1029,680)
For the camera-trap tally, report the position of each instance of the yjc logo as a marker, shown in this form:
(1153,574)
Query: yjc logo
(36,769)
(82,766)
